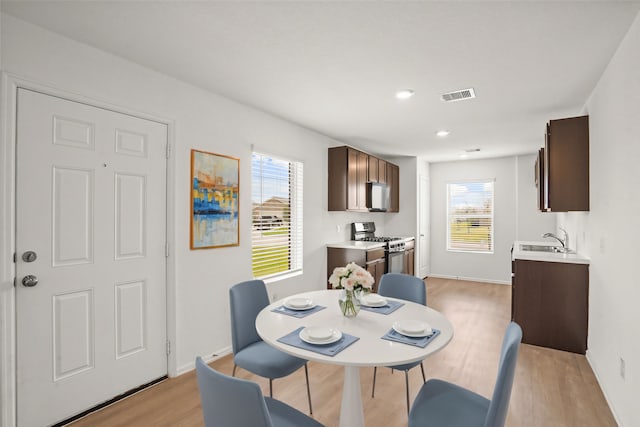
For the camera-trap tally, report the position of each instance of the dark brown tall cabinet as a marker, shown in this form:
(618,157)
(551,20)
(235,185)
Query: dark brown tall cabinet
(350,170)
(562,168)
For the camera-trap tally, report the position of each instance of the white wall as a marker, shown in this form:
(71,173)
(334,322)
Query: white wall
(609,232)
(515,216)
(204,121)
(404,223)
(531,223)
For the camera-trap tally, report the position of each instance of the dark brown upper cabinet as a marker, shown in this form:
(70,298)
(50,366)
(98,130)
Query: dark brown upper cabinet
(562,169)
(350,170)
(393,181)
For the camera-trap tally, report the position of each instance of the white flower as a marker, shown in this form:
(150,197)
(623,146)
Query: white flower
(351,277)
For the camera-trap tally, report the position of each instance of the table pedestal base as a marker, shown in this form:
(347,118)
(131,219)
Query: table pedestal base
(351,413)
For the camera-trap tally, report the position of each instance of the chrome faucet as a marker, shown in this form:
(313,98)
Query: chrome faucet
(564,241)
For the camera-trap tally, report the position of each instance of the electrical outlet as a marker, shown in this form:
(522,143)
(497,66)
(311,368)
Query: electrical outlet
(623,368)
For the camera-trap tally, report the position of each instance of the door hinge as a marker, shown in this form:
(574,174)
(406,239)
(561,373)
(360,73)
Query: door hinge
(168,151)
(15,257)
(166,249)
(15,282)
(168,347)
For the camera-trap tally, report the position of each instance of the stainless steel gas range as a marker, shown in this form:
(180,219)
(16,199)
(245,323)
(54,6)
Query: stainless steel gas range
(394,247)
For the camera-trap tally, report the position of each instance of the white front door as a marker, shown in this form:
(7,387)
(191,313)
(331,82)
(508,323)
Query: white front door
(91,230)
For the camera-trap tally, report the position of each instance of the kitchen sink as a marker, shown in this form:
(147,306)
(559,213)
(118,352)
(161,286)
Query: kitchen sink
(542,248)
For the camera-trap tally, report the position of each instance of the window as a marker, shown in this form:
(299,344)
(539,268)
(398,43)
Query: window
(470,216)
(276,231)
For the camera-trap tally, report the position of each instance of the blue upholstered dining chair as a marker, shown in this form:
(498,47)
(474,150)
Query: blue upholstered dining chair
(250,352)
(440,403)
(409,288)
(234,402)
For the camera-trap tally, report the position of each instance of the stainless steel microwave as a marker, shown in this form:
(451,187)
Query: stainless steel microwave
(377,197)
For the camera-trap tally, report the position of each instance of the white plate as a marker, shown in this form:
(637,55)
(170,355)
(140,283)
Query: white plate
(373,300)
(412,328)
(299,303)
(331,335)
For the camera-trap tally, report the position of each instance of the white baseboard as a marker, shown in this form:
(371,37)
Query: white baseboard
(471,279)
(215,356)
(604,391)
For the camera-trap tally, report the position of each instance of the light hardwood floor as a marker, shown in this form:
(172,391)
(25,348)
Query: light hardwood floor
(551,388)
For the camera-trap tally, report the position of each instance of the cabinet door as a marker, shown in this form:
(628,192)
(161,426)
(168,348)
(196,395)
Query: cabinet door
(382,171)
(551,304)
(373,169)
(393,181)
(567,166)
(376,269)
(540,181)
(361,181)
(409,261)
(337,179)
(352,180)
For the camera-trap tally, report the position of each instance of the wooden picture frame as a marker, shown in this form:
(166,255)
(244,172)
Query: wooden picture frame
(215,189)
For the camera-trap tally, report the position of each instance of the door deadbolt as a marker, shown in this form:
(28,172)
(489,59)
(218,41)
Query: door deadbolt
(29,256)
(29,281)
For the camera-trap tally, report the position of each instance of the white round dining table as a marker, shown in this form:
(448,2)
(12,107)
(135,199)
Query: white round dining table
(369,350)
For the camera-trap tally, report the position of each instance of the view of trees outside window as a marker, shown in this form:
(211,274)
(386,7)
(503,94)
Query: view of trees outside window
(470,216)
(276,215)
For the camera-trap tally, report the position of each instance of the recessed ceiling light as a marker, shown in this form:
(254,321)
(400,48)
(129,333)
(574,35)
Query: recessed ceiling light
(442,133)
(404,94)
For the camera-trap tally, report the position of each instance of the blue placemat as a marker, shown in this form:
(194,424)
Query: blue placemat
(392,335)
(293,338)
(389,307)
(298,313)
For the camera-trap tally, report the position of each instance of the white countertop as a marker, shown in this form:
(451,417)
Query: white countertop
(353,244)
(571,258)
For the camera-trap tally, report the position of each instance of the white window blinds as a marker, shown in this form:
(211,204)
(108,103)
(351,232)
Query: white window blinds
(470,216)
(276,232)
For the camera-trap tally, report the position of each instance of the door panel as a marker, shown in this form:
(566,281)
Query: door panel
(91,203)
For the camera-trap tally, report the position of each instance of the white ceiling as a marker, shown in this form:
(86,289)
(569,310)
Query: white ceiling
(334,66)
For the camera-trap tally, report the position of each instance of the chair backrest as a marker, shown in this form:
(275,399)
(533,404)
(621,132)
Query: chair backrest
(497,413)
(229,401)
(403,286)
(246,299)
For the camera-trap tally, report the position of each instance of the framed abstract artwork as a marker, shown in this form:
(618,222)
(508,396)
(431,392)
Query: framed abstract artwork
(214,200)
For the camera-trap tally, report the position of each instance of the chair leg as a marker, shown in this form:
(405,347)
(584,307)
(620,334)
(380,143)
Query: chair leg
(406,381)
(306,374)
(234,370)
(270,387)
(424,378)
(373,389)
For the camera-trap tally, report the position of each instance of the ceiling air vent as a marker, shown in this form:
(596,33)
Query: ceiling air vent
(458,95)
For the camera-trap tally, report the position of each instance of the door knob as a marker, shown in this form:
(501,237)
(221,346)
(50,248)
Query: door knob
(29,281)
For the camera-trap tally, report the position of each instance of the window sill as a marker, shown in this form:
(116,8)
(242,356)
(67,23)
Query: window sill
(282,276)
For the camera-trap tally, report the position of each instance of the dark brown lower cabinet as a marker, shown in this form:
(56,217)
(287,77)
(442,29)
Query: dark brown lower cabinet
(550,301)
(373,260)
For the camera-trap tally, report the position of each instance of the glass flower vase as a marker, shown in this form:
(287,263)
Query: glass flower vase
(349,303)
